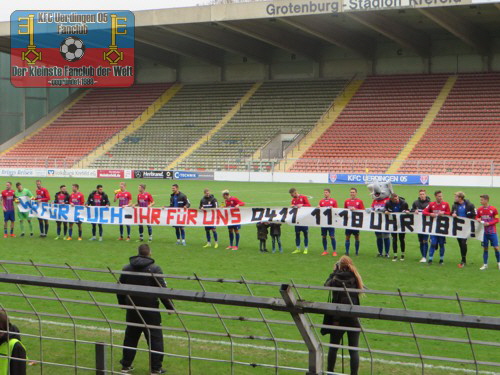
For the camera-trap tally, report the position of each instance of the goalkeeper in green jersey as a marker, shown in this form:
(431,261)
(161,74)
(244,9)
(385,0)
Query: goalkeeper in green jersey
(22,216)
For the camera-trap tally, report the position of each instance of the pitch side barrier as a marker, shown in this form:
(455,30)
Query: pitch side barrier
(278,305)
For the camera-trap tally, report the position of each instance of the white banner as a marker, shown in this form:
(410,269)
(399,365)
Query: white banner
(304,216)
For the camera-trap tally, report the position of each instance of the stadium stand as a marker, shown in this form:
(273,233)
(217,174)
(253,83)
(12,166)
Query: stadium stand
(465,135)
(376,124)
(295,105)
(96,117)
(189,115)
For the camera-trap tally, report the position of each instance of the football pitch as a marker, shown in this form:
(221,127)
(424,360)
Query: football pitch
(312,269)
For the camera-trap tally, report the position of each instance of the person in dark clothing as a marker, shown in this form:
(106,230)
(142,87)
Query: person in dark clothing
(12,351)
(209,202)
(179,199)
(463,208)
(61,197)
(345,275)
(143,263)
(262,231)
(97,198)
(275,232)
(418,207)
(397,204)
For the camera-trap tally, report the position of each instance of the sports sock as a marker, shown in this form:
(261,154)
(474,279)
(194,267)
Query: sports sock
(431,252)
(325,244)
(441,250)
(21,224)
(347,246)
(231,238)
(497,255)
(207,233)
(306,240)
(141,230)
(237,239)
(387,245)
(380,245)
(485,257)
(40,224)
(121,230)
(100,230)
(216,238)
(150,230)
(65,229)
(177,233)
(46,227)
(128,230)
(71,232)
(356,245)
(80,232)
(183,234)
(334,243)
(11,230)
(93,229)
(297,239)
(58,230)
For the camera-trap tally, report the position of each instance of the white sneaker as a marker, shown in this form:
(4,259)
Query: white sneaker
(150,238)
(423,260)
(484,267)
(395,259)
(92,239)
(183,242)
(499,265)
(100,239)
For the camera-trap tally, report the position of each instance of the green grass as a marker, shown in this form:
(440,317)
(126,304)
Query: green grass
(382,274)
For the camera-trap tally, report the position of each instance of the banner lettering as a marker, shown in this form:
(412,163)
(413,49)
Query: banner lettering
(305,216)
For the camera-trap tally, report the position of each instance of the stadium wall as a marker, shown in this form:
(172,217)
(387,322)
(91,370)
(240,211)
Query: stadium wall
(313,178)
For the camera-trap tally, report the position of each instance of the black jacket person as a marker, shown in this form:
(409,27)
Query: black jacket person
(143,263)
(12,351)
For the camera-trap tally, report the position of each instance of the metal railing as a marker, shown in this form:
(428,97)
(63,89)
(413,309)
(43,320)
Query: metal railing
(67,312)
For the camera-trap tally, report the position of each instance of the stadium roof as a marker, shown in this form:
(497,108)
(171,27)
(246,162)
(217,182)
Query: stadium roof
(254,30)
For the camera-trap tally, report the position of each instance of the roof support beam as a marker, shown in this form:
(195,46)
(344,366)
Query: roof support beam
(333,34)
(270,34)
(216,36)
(181,46)
(461,28)
(163,57)
(404,35)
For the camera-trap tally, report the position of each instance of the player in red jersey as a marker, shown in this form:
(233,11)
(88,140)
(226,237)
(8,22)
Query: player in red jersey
(8,197)
(124,199)
(488,215)
(144,199)
(234,230)
(328,201)
(61,197)
(435,209)
(299,200)
(353,203)
(42,196)
(76,199)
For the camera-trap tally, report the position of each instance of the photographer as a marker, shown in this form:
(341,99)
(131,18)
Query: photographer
(345,275)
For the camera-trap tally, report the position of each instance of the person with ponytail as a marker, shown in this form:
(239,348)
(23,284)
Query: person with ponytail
(345,276)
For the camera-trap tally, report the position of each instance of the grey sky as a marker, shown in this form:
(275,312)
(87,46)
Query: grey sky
(7,7)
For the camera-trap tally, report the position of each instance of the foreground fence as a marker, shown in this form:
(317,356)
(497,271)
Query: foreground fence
(71,323)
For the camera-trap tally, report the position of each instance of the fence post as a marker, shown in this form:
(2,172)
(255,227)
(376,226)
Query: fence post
(313,345)
(100,358)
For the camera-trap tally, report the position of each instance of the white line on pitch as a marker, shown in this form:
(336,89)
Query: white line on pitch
(260,347)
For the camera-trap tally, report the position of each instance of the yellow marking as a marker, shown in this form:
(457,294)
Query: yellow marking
(424,126)
(134,125)
(227,117)
(326,120)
